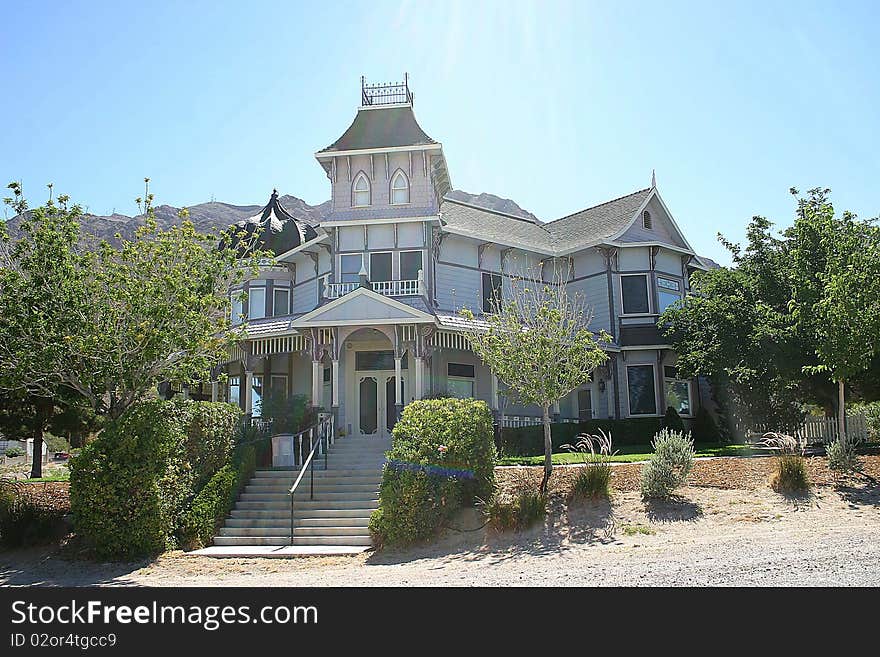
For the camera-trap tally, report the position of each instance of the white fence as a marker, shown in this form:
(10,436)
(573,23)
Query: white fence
(824,429)
(515,421)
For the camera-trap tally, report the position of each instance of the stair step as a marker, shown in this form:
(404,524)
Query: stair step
(297,540)
(359,471)
(299,512)
(303,495)
(319,486)
(330,505)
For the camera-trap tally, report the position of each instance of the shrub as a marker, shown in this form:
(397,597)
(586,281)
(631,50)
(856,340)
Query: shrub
(705,429)
(442,456)
(842,456)
(129,488)
(199,522)
(27,523)
(672,420)
(14,452)
(529,441)
(790,471)
(670,464)
(289,413)
(519,512)
(871,411)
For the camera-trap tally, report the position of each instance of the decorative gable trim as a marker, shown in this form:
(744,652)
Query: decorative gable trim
(409,315)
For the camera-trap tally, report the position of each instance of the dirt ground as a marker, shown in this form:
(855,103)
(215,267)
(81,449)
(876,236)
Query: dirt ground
(726,528)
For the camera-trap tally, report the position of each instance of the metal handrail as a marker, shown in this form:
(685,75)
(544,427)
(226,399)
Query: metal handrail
(324,431)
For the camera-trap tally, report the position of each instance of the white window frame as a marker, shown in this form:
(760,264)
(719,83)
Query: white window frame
(577,401)
(660,288)
(257,382)
(490,274)
(278,288)
(349,255)
(623,312)
(656,412)
(233,382)
(250,313)
(361,176)
(690,389)
(399,174)
(370,260)
(421,253)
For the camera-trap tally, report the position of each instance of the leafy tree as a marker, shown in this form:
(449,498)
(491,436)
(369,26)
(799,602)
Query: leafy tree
(108,325)
(44,284)
(835,279)
(792,310)
(537,341)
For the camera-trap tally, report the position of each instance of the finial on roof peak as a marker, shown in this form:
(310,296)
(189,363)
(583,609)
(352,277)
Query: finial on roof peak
(653,179)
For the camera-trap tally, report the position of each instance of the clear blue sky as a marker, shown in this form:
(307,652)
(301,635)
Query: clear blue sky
(556,105)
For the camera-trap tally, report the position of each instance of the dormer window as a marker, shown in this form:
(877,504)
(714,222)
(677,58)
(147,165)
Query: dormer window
(646,220)
(361,191)
(399,188)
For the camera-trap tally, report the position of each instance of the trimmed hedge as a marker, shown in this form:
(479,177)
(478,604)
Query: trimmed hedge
(442,457)
(529,441)
(200,521)
(129,488)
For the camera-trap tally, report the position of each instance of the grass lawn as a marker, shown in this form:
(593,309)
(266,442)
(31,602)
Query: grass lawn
(631,453)
(55,476)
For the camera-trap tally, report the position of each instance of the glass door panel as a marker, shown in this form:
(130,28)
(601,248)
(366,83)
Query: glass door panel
(368,402)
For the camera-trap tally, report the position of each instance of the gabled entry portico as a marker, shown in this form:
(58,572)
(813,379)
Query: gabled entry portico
(377,358)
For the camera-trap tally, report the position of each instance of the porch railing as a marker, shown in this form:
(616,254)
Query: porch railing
(320,438)
(515,421)
(403,288)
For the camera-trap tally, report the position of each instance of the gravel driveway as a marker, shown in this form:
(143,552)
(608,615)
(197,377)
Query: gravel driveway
(709,537)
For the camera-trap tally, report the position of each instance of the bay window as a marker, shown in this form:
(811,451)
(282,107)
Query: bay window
(668,292)
(634,290)
(256,302)
(350,267)
(678,391)
(410,264)
(280,300)
(460,380)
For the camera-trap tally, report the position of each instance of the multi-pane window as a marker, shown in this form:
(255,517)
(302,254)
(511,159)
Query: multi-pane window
(460,380)
(280,300)
(234,390)
(350,267)
(380,267)
(256,302)
(399,189)
(279,384)
(678,391)
(410,264)
(668,292)
(257,396)
(377,360)
(640,384)
(360,191)
(491,292)
(634,290)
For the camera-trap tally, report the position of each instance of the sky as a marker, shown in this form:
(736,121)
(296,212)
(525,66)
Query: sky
(556,105)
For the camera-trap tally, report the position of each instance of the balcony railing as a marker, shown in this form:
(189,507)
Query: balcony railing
(405,288)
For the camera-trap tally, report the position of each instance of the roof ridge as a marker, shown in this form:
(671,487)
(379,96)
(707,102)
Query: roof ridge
(536,222)
(599,205)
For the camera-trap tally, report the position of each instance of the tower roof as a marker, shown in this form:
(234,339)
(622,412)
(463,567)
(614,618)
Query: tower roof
(381,126)
(279,230)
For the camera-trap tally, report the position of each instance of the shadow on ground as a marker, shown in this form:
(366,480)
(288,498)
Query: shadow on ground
(673,509)
(50,566)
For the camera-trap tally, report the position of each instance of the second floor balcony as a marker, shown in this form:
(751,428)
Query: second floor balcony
(399,288)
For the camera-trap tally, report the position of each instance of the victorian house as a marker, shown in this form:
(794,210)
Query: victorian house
(361,312)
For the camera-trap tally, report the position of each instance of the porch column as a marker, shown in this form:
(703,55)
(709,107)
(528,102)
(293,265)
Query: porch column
(215,392)
(317,383)
(335,383)
(185,391)
(398,379)
(419,364)
(556,411)
(248,393)
(493,399)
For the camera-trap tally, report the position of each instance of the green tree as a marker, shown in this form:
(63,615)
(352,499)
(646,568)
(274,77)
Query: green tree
(537,341)
(44,283)
(835,280)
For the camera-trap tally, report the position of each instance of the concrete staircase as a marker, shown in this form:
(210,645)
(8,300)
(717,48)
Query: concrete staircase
(335,521)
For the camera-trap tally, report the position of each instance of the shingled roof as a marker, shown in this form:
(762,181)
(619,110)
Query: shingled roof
(596,223)
(280,231)
(490,225)
(381,127)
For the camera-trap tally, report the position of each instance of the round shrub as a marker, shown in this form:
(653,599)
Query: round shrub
(442,456)
(14,452)
(670,464)
(129,487)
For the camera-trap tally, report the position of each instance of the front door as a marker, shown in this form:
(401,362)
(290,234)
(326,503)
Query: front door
(377,403)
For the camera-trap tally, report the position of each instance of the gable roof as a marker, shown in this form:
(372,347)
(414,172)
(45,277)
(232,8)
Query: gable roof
(599,222)
(363,306)
(382,127)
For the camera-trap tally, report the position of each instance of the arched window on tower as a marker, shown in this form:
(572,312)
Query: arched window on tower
(399,188)
(360,191)
(646,220)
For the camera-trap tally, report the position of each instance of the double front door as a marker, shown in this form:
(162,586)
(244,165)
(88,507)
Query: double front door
(377,402)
